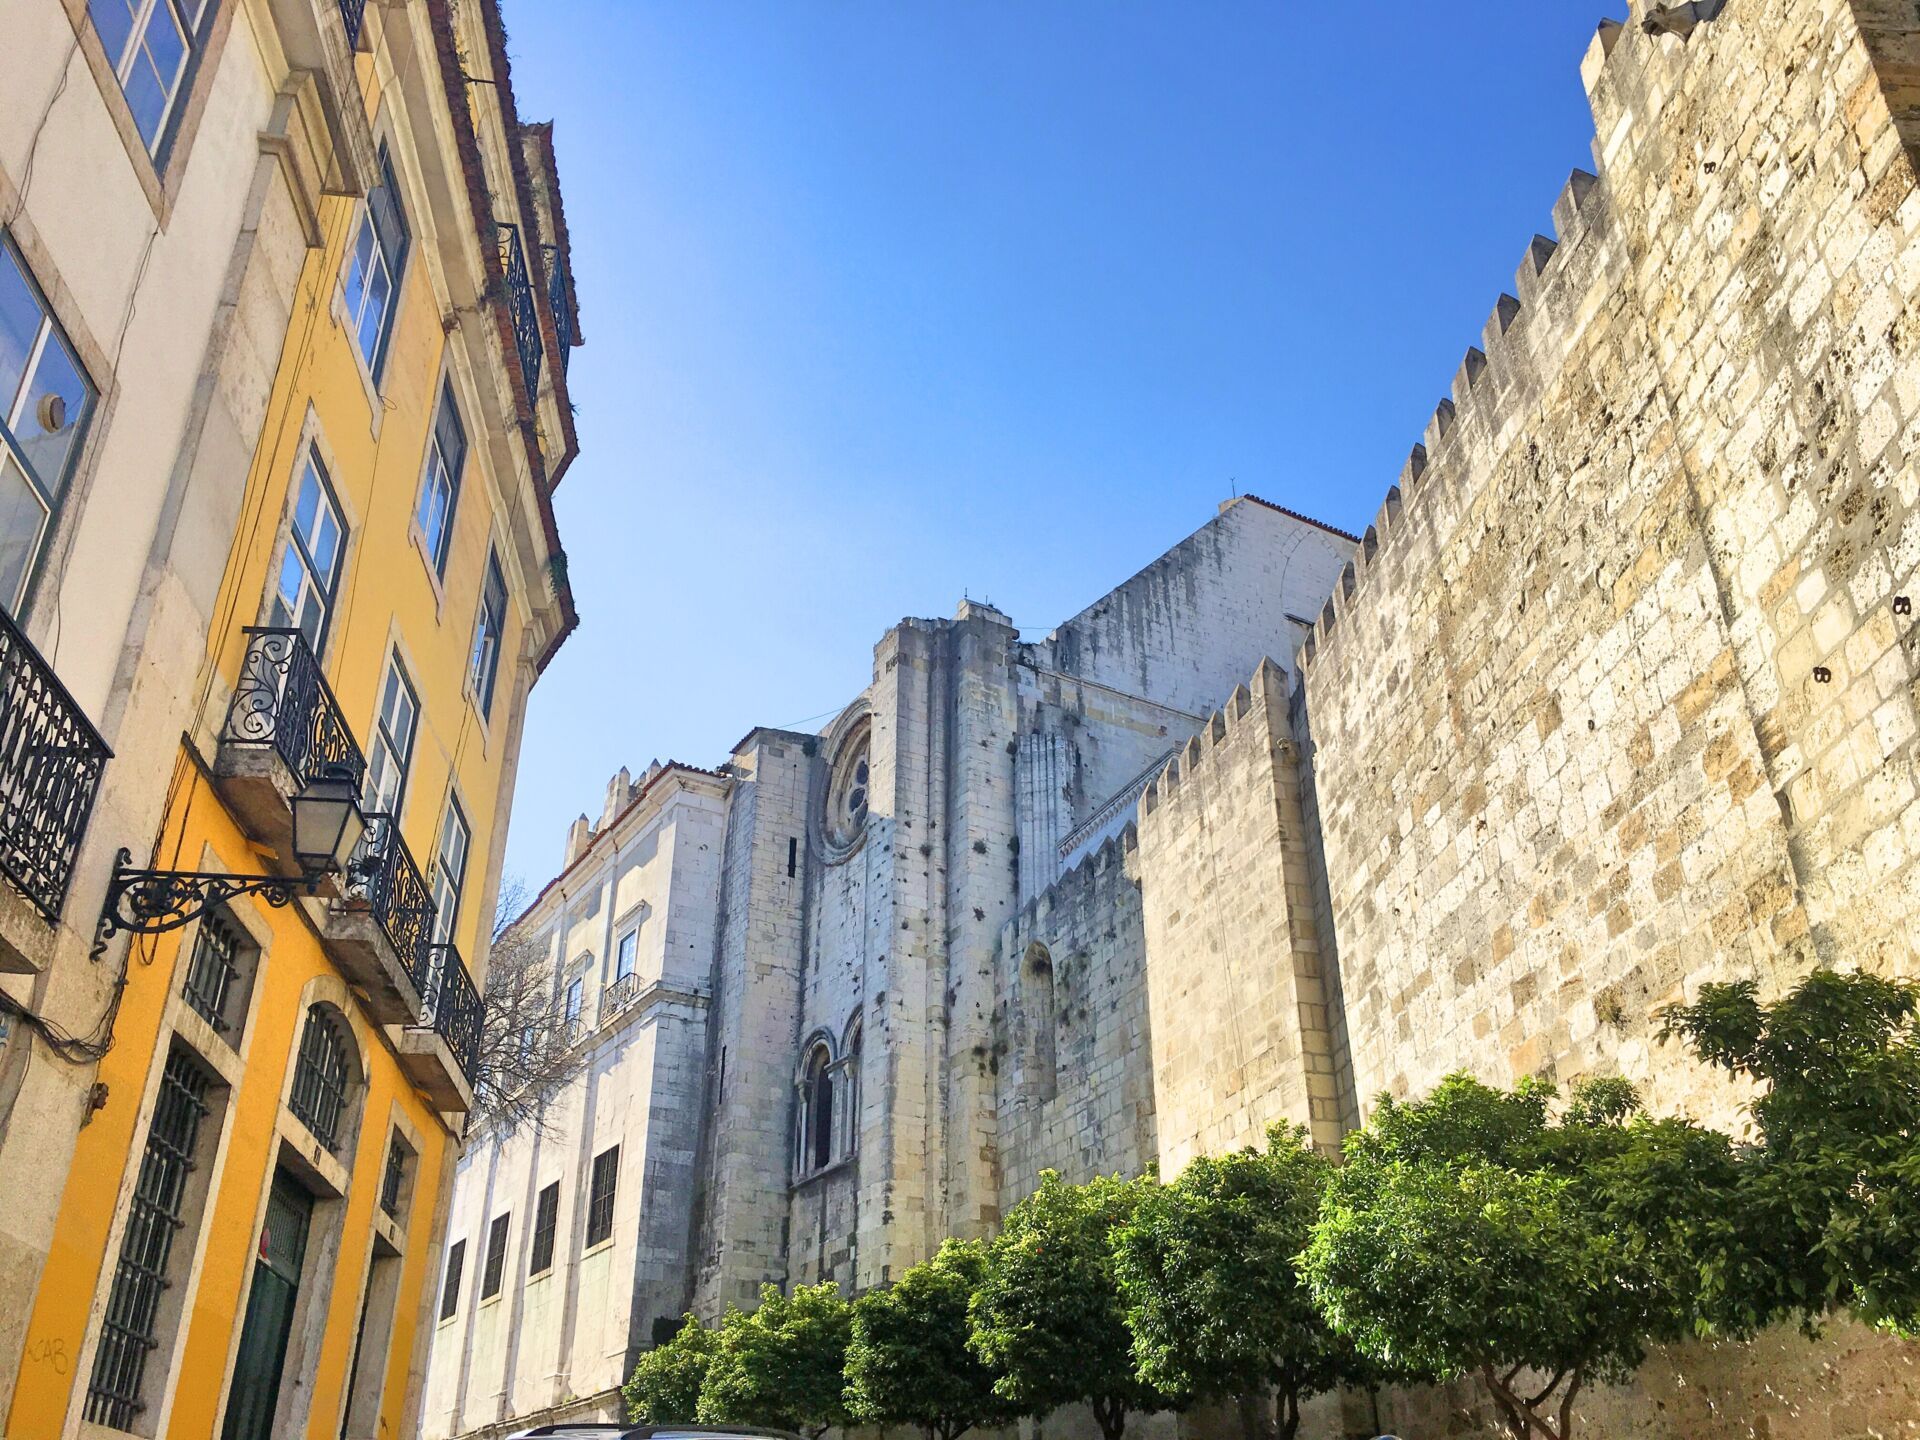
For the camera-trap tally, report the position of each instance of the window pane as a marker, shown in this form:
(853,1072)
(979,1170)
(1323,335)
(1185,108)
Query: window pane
(20,318)
(373,318)
(113,19)
(57,398)
(358,265)
(155,73)
(629,948)
(22,519)
(436,497)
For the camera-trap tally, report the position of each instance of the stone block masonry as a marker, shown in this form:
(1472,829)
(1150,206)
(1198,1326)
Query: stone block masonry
(1616,699)
(1241,1021)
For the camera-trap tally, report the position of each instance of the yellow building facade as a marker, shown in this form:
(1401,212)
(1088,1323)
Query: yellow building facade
(248,1240)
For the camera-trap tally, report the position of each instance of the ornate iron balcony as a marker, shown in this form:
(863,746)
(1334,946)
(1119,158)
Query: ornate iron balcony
(51,759)
(565,327)
(383,877)
(520,307)
(352,14)
(619,995)
(453,1006)
(283,701)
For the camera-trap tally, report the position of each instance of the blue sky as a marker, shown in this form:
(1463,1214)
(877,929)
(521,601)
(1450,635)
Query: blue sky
(889,301)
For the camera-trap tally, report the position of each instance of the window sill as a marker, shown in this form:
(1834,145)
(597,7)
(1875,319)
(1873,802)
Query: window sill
(376,403)
(596,1248)
(825,1172)
(434,579)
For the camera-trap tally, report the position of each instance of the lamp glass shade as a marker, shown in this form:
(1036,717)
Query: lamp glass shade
(327,823)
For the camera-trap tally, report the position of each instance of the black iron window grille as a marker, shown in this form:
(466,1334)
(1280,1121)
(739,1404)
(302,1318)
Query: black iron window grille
(382,876)
(453,1006)
(320,1075)
(619,995)
(450,1287)
(157,1217)
(51,759)
(283,700)
(213,969)
(566,329)
(520,306)
(496,1257)
(353,14)
(546,1221)
(395,1179)
(606,1177)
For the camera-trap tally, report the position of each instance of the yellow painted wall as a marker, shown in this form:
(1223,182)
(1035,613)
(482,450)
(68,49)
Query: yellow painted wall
(386,594)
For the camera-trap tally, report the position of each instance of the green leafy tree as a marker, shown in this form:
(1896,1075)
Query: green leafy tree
(1831,1193)
(908,1362)
(1470,1233)
(665,1386)
(782,1364)
(1048,1317)
(1206,1266)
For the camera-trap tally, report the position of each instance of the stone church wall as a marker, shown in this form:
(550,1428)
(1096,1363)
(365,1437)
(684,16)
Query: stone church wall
(1237,993)
(1070,1053)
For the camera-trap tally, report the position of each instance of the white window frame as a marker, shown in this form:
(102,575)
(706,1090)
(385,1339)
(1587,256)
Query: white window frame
(385,745)
(298,551)
(48,490)
(483,658)
(446,917)
(189,19)
(394,266)
(441,476)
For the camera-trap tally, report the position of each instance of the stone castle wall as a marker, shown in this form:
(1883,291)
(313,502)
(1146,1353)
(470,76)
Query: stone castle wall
(1071,1053)
(1620,696)
(1573,751)
(1237,992)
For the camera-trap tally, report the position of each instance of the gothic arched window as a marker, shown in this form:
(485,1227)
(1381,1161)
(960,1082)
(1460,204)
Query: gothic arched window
(322,1073)
(816,1110)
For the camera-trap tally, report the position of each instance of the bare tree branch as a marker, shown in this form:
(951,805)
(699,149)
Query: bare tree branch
(528,1053)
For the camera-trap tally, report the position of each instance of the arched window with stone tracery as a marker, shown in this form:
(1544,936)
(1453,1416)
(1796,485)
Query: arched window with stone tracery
(816,1109)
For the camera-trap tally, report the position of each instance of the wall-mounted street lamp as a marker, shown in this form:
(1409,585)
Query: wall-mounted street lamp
(327,826)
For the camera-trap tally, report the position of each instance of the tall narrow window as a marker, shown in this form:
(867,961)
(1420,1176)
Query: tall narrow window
(151,45)
(496,1257)
(488,632)
(321,1074)
(158,1217)
(374,268)
(850,1087)
(575,1002)
(1036,1000)
(310,569)
(391,753)
(816,1111)
(45,402)
(440,489)
(449,872)
(627,956)
(600,1190)
(214,981)
(450,1287)
(546,1221)
(393,1183)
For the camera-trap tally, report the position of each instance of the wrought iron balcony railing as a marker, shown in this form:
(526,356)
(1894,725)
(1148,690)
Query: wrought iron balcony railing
(619,995)
(565,328)
(520,306)
(453,1006)
(353,14)
(383,877)
(283,701)
(51,759)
